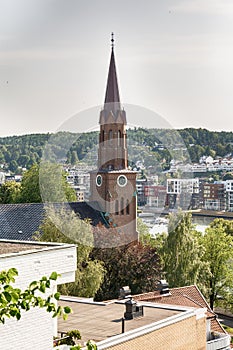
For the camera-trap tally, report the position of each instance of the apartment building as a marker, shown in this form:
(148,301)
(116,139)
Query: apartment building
(229,195)
(213,196)
(183,193)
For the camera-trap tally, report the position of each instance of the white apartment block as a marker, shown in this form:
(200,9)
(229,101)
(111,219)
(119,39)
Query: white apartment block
(178,186)
(33,260)
(229,195)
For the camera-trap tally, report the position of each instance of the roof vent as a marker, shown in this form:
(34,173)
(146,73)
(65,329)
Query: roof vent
(124,292)
(133,310)
(163,287)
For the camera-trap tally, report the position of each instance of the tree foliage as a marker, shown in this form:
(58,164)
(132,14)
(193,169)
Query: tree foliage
(64,226)
(181,252)
(10,192)
(46,182)
(188,257)
(136,265)
(222,224)
(17,152)
(13,300)
(218,252)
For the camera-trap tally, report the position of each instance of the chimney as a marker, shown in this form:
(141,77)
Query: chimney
(163,287)
(133,310)
(124,292)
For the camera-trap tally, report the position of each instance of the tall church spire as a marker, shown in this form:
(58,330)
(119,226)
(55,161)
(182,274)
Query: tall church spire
(113,185)
(112,91)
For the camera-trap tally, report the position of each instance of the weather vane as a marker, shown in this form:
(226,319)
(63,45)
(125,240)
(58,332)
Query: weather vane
(112,40)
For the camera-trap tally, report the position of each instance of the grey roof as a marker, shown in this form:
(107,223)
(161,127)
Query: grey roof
(20,221)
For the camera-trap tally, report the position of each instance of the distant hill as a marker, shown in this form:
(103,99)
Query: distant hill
(18,152)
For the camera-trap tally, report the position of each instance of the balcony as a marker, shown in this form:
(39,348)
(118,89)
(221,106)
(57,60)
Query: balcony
(219,341)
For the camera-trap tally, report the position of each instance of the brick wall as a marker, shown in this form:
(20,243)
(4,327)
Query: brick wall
(188,334)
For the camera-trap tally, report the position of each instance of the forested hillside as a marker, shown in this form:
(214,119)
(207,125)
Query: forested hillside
(18,152)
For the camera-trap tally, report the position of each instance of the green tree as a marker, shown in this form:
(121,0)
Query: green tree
(136,265)
(23,160)
(144,234)
(74,158)
(64,226)
(30,189)
(10,192)
(228,176)
(181,253)
(218,275)
(47,181)
(13,166)
(222,224)
(13,300)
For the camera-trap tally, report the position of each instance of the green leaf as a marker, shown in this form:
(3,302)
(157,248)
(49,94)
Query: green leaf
(7,296)
(67,310)
(42,288)
(53,276)
(47,284)
(33,285)
(64,316)
(57,295)
(14,296)
(13,312)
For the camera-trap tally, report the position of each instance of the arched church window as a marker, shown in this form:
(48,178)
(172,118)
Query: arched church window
(122,206)
(110,136)
(127,207)
(117,207)
(119,138)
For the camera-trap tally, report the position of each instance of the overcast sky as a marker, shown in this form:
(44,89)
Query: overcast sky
(174,57)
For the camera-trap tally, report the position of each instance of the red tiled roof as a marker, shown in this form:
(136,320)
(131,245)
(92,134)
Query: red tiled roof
(189,296)
(216,326)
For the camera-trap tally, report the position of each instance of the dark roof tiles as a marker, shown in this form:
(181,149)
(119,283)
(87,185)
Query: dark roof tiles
(21,221)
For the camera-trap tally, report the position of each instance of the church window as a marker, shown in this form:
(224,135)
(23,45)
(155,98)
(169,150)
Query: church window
(122,206)
(110,136)
(117,207)
(119,138)
(127,207)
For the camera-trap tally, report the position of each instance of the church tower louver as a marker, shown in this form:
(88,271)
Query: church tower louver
(113,185)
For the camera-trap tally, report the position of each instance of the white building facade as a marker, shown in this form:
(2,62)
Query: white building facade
(36,328)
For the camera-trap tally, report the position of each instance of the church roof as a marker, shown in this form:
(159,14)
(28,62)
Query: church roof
(21,221)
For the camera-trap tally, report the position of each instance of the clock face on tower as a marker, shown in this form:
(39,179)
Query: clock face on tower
(99,180)
(122,180)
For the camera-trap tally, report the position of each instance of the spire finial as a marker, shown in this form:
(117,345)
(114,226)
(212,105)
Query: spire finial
(112,40)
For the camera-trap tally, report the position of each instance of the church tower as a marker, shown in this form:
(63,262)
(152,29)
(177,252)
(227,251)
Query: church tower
(113,185)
